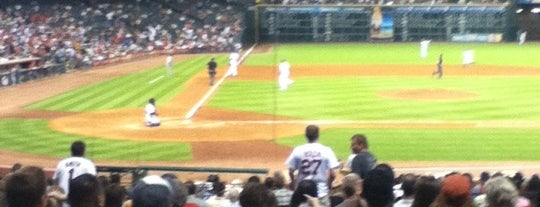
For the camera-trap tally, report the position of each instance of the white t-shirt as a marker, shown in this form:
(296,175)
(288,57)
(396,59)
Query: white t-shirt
(70,168)
(313,161)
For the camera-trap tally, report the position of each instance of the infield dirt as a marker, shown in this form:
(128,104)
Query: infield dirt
(221,138)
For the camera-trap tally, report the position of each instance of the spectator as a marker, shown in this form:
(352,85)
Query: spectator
(257,195)
(283,194)
(499,192)
(316,162)
(479,187)
(115,195)
(234,195)
(362,161)
(426,190)
(407,185)
(26,188)
(269,183)
(193,198)
(455,192)
(179,189)
(305,187)
(70,168)
(152,191)
(15,167)
(254,179)
(351,191)
(85,191)
(378,186)
(218,199)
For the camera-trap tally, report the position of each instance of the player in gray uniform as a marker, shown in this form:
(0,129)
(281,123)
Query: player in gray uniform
(439,71)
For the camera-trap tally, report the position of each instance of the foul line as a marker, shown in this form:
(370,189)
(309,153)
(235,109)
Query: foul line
(198,105)
(156,79)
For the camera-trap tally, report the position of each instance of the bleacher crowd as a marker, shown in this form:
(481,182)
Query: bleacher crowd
(382,2)
(27,185)
(87,33)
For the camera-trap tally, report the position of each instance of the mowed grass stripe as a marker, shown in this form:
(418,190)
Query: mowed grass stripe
(75,100)
(183,71)
(435,144)
(126,91)
(41,140)
(397,54)
(497,98)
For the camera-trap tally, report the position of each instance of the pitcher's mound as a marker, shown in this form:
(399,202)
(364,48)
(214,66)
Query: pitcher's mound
(428,94)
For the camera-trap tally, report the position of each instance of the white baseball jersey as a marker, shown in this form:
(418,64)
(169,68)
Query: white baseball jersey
(284,69)
(168,61)
(234,56)
(424,45)
(70,168)
(149,110)
(313,160)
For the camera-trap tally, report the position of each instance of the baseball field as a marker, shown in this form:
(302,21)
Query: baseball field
(483,116)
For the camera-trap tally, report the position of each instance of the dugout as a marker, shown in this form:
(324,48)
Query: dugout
(18,70)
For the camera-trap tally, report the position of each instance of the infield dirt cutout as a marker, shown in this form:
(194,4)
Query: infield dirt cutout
(221,138)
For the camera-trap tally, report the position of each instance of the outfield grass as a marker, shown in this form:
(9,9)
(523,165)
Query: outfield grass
(33,136)
(398,53)
(436,144)
(327,98)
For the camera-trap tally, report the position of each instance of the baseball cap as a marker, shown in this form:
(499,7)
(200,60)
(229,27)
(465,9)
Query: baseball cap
(152,191)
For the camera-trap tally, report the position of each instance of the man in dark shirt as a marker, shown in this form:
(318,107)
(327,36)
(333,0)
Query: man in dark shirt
(364,161)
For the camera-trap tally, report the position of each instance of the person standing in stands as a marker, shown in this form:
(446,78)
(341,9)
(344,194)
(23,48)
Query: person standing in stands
(362,160)
(313,161)
(71,167)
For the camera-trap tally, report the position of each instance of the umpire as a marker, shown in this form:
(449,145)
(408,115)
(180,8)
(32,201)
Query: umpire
(212,65)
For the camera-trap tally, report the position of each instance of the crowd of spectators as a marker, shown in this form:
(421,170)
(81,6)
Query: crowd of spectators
(87,33)
(381,2)
(28,186)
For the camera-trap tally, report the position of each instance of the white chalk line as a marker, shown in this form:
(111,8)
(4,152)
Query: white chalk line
(198,105)
(156,79)
(175,123)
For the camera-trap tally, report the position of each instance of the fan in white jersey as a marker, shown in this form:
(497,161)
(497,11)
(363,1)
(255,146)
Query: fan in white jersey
(69,168)
(313,161)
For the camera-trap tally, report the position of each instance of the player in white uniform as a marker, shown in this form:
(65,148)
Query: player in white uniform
(150,114)
(169,64)
(69,168)
(424,45)
(313,161)
(522,37)
(284,80)
(233,64)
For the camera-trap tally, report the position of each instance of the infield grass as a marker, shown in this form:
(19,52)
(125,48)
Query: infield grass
(328,98)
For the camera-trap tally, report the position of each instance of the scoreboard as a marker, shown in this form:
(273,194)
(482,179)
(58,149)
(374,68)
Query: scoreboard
(313,24)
